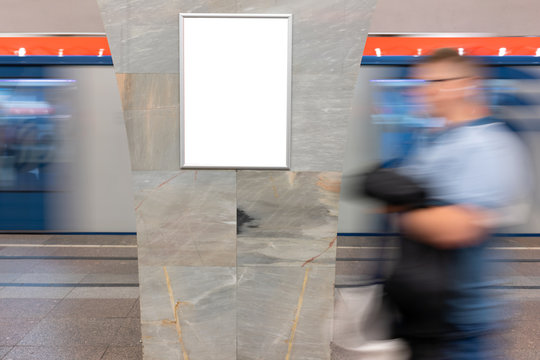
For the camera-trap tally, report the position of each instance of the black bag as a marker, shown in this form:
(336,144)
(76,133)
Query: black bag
(393,188)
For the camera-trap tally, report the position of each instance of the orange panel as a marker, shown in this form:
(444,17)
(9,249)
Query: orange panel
(56,45)
(480,46)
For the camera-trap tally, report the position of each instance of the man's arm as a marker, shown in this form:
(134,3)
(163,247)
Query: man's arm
(452,226)
(493,177)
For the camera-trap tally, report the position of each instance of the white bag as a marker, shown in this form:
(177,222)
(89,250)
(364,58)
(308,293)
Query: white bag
(362,326)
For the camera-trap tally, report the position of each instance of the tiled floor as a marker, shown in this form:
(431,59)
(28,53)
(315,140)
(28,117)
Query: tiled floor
(69,297)
(518,259)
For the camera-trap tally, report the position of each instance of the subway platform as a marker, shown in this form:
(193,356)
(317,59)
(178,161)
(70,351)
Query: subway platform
(517,282)
(67,297)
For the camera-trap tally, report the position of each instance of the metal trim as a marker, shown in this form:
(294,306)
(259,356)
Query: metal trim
(404,60)
(444,34)
(289,94)
(181,91)
(191,167)
(82,34)
(55,232)
(377,234)
(289,18)
(233,15)
(105,60)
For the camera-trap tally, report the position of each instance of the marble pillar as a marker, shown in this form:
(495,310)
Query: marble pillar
(237,264)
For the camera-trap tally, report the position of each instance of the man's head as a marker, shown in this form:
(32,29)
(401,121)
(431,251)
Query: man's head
(451,81)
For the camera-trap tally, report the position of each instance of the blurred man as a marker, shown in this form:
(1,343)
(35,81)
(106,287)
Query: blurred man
(475,173)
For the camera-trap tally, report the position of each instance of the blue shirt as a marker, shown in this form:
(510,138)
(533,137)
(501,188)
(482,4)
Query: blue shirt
(481,163)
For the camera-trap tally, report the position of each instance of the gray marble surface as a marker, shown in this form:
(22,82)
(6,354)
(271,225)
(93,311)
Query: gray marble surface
(320,117)
(328,131)
(145,32)
(318,30)
(151,114)
(206,312)
(153,138)
(357,19)
(284,311)
(328,39)
(155,300)
(160,351)
(148,91)
(287,218)
(186,217)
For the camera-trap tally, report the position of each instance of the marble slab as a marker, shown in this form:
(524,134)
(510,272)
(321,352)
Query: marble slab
(284,311)
(154,138)
(146,12)
(114,38)
(154,296)
(152,48)
(146,35)
(321,114)
(328,39)
(325,33)
(357,21)
(148,91)
(325,93)
(206,299)
(161,351)
(148,180)
(318,143)
(186,218)
(322,110)
(287,218)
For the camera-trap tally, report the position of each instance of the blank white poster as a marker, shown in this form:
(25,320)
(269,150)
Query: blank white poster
(235,90)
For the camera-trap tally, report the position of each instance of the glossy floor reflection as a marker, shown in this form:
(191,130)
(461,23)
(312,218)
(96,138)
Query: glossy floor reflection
(65,297)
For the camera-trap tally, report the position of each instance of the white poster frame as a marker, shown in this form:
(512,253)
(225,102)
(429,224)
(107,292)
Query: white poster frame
(198,138)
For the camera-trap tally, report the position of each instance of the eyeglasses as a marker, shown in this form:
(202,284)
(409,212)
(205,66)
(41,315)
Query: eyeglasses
(432,81)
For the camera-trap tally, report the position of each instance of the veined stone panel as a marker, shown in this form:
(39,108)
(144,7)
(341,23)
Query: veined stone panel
(285,311)
(357,21)
(151,114)
(191,225)
(145,32)
(148,91)
(328,39)
(186,218)
(321,112)
(193,312)
(287,218)
(153,138)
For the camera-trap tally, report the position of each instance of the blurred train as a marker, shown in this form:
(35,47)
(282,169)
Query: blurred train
(387,118)
(64,161)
